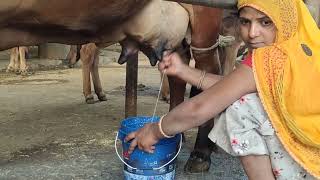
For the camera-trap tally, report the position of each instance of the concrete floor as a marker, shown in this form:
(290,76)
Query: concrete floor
(48,132)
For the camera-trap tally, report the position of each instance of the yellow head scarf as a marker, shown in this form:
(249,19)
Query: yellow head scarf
(287,75)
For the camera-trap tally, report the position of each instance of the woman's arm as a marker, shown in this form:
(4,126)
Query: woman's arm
(198,109)
(172,65)
(209,103)
(193,76)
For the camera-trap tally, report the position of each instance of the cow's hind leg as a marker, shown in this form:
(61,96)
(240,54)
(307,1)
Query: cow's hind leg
(23,65)
(14,54)
(95,76)
(87,58)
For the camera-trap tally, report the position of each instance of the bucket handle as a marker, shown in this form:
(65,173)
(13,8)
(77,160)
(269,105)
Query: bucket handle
(115,146)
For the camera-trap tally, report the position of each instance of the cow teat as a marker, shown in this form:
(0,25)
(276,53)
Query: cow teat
(129,49)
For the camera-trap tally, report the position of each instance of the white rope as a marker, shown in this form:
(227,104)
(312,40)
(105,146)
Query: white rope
(155,108)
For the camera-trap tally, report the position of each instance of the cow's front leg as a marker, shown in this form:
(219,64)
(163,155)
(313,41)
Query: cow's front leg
(95,75)
(199,160)
(205,24)
(177,90)
(23,65)
(87,59)
(177,86)
(165,90)
(13,55)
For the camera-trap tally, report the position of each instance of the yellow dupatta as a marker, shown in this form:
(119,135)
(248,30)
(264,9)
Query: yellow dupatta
(287,76)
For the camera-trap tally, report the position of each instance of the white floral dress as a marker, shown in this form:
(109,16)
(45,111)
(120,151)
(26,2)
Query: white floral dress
(244,129)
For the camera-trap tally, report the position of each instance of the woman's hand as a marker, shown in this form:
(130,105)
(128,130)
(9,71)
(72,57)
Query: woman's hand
(144,138)
(172,64)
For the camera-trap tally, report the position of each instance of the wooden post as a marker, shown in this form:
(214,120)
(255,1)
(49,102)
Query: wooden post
(131,86)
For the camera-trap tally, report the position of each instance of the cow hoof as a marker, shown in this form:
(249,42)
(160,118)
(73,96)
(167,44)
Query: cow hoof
(10,69)
(166,99)
(198,162)
(89,99)
(25,72)
(102,97)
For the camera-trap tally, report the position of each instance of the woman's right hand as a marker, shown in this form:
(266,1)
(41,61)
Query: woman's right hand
(171,64)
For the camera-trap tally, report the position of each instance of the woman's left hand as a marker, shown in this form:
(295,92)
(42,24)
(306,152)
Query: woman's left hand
(145,138)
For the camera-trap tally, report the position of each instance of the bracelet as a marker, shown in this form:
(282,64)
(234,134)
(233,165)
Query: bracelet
(160,128)
(203,74)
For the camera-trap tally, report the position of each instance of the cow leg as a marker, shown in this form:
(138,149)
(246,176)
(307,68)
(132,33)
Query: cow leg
(199,160)
(14,54)
(23,65)
(16,61)
(177,87)
(87,58)
(95,76)
(205,28)
(230,54)
(73,55)
(165,90)
(177,90)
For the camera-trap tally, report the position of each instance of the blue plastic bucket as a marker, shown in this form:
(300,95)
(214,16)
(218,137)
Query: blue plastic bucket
(143,165)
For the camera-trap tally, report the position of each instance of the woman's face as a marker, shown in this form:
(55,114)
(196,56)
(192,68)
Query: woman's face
(256,28)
